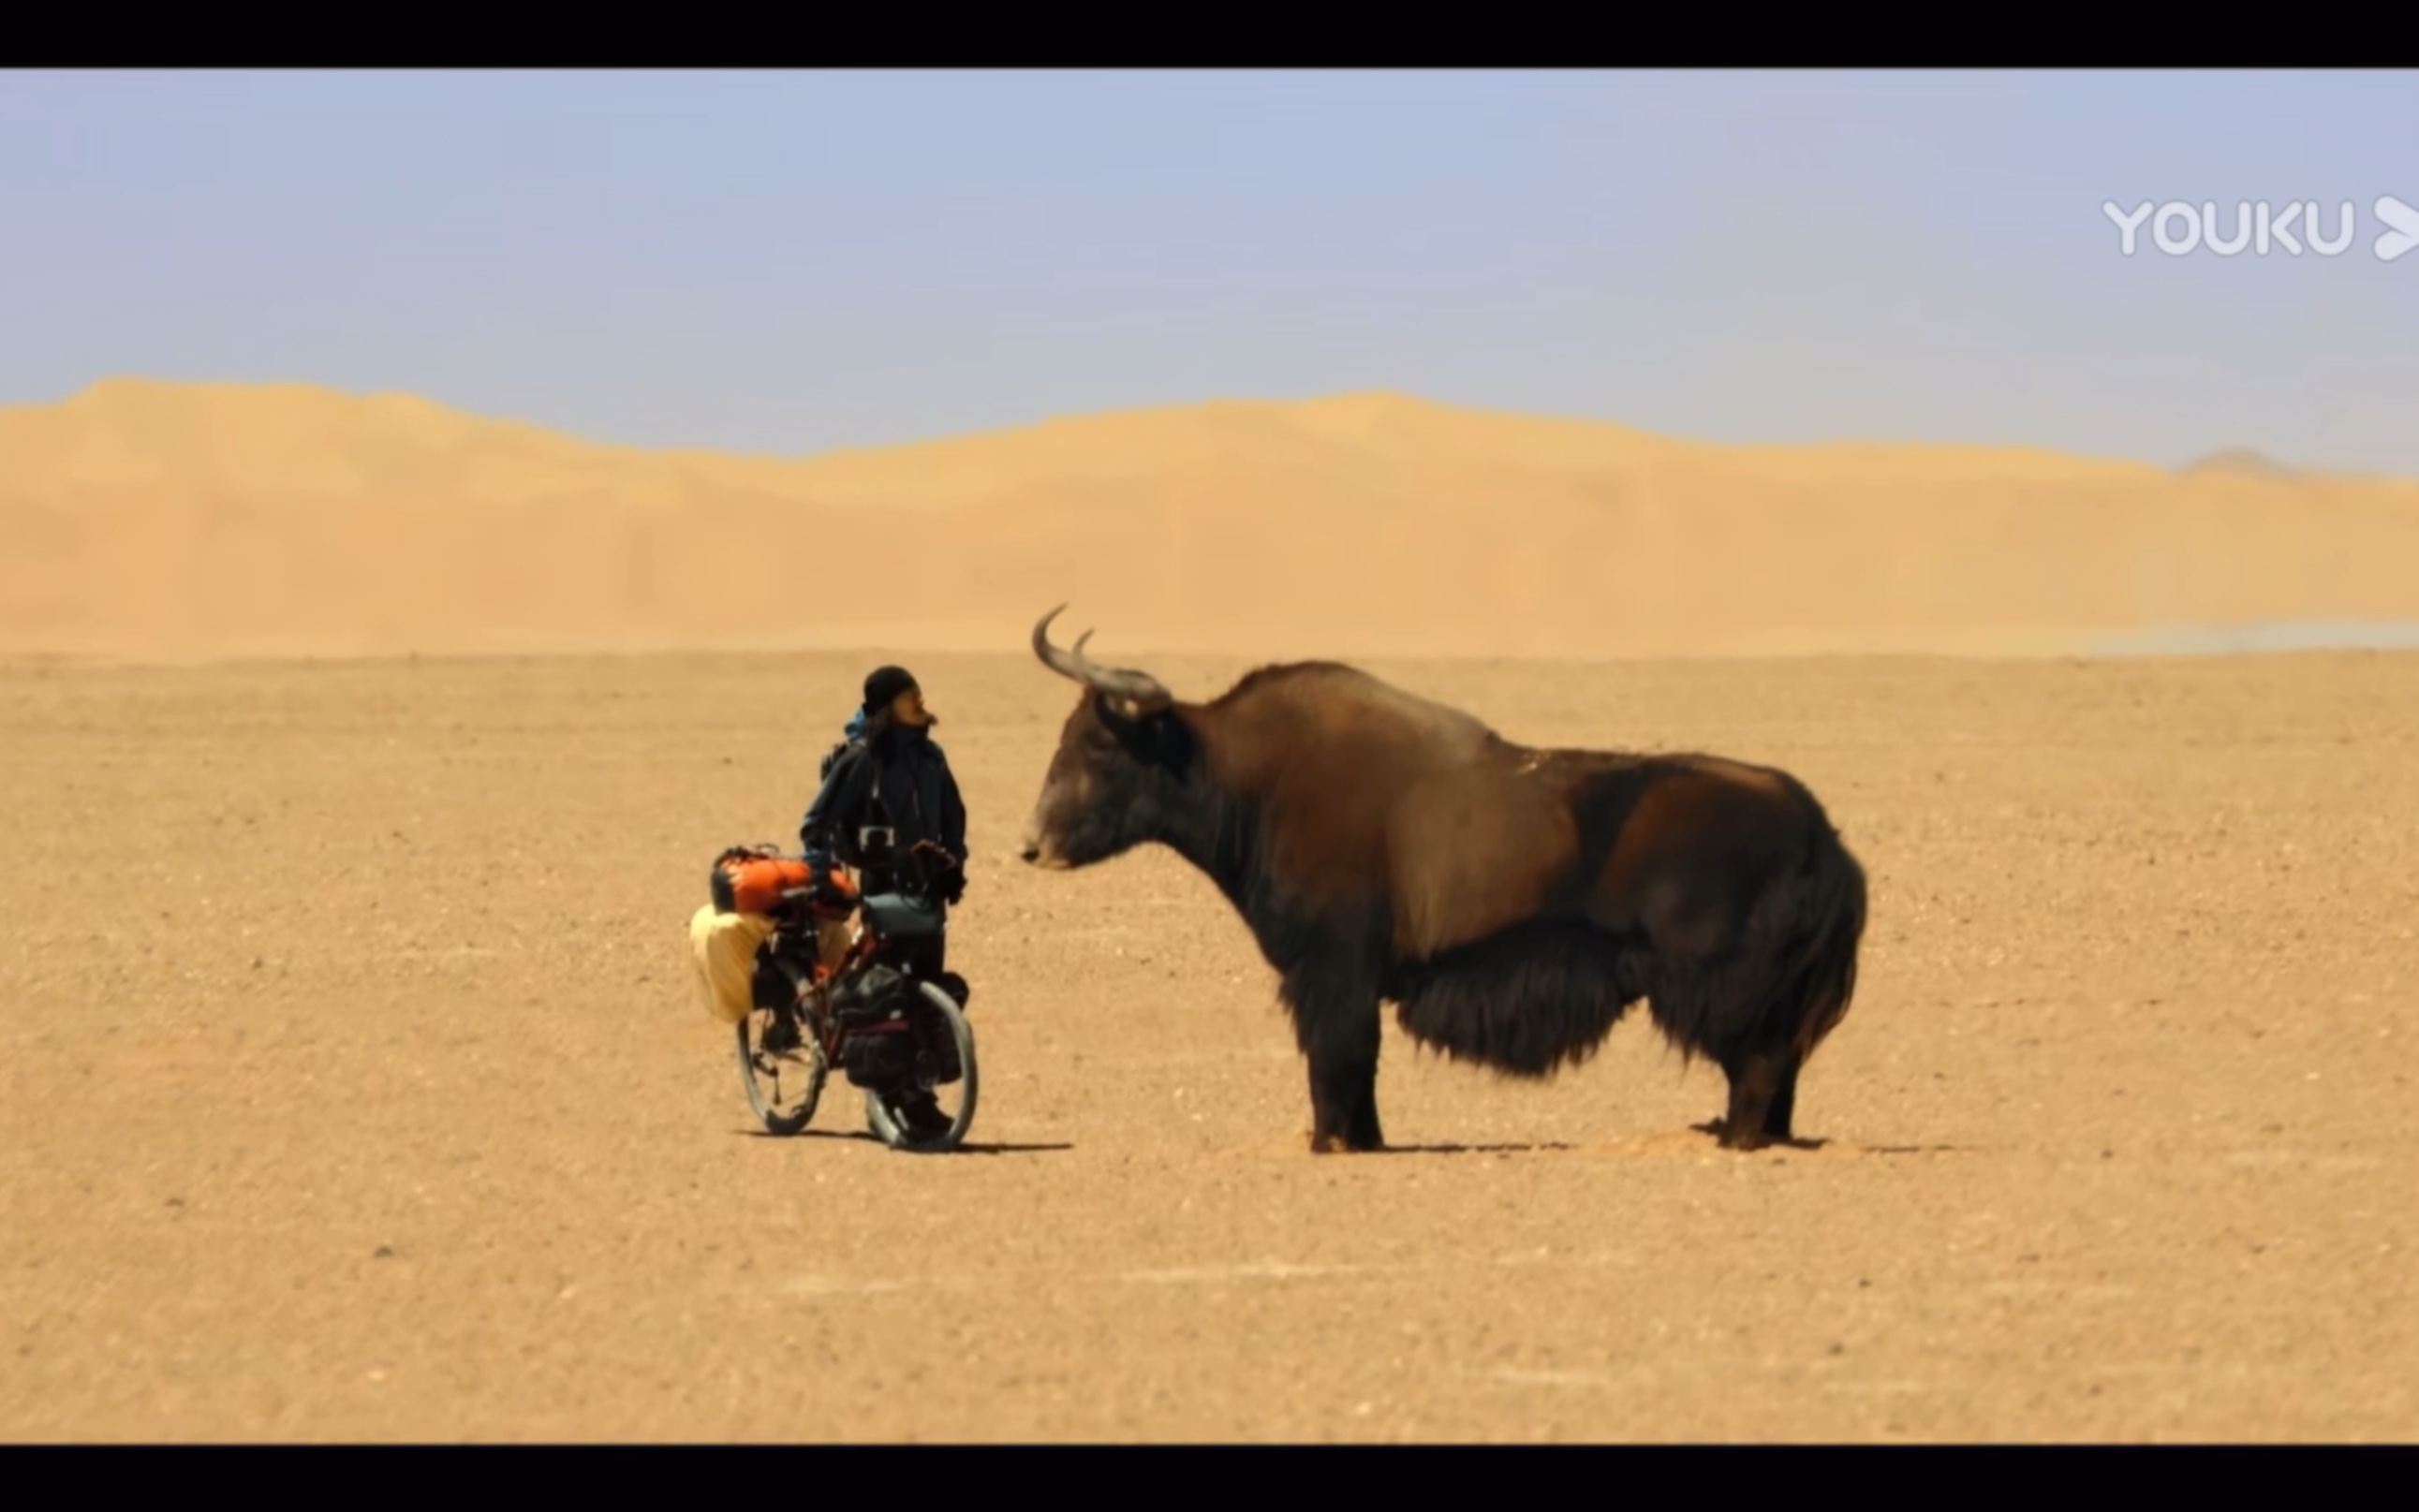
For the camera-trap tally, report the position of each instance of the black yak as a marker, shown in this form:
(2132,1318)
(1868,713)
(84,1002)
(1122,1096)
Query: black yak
(1511,903)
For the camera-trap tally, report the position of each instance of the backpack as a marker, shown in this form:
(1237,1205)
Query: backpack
(854,737)
(849,736)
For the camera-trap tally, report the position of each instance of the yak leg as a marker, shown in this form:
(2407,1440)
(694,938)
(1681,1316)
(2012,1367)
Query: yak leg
(1758,1100)
(1338,1028)
(1340,1035)
(1344,1102)
(1783,1106)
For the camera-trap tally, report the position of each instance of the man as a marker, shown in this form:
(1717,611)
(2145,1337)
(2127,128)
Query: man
(890,772)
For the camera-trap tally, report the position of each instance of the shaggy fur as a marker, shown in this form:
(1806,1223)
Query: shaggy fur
(1527,1000)
(1511,903)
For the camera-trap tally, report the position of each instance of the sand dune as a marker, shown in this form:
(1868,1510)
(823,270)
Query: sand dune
(151,519)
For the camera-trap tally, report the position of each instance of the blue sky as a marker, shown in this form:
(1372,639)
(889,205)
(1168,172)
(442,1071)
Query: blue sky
(793,262)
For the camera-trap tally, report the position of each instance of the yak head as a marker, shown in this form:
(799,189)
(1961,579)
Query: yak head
(1121,772)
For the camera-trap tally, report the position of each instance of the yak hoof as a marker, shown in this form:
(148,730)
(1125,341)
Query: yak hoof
(1744,1139)
(1337,1144)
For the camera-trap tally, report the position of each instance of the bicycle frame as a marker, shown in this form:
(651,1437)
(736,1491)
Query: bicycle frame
(813,1003)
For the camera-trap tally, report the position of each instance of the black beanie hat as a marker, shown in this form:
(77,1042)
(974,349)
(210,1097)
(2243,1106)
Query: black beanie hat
(884,683)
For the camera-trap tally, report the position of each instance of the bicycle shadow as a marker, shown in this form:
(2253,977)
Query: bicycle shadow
(972,1147)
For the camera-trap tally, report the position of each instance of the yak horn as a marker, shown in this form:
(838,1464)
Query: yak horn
(1052,657)
(1141,687)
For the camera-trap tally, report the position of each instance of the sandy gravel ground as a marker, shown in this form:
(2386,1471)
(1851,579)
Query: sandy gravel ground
(354,1088)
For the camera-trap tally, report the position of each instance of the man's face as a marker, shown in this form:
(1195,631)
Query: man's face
(908,708)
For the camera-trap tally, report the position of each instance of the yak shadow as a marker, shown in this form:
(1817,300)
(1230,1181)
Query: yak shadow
(1714,1128)
(1507,1149)
(972,1147)
(1909,1149)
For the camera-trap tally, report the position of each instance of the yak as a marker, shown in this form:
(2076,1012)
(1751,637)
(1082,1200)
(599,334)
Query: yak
(1513,903)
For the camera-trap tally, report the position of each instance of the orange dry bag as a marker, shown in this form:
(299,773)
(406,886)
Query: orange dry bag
(751,879)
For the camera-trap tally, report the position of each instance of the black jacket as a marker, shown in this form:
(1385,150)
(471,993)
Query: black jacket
(918,793)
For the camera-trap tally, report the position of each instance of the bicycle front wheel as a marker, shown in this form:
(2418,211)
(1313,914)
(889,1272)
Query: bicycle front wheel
(915,1117)
(785,1082)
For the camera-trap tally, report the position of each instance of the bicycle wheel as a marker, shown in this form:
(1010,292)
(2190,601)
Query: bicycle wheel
(894,1116)
(797,1069)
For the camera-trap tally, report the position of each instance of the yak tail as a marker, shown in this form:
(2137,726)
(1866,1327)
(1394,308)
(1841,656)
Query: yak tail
(1787,981)
(1821,974)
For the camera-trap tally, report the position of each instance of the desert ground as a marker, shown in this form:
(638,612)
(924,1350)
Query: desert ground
(357,1087)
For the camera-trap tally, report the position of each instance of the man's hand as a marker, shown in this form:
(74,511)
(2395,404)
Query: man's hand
(944,871)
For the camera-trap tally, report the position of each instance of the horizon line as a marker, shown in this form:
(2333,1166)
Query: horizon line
(2247,463)
(2178,641)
